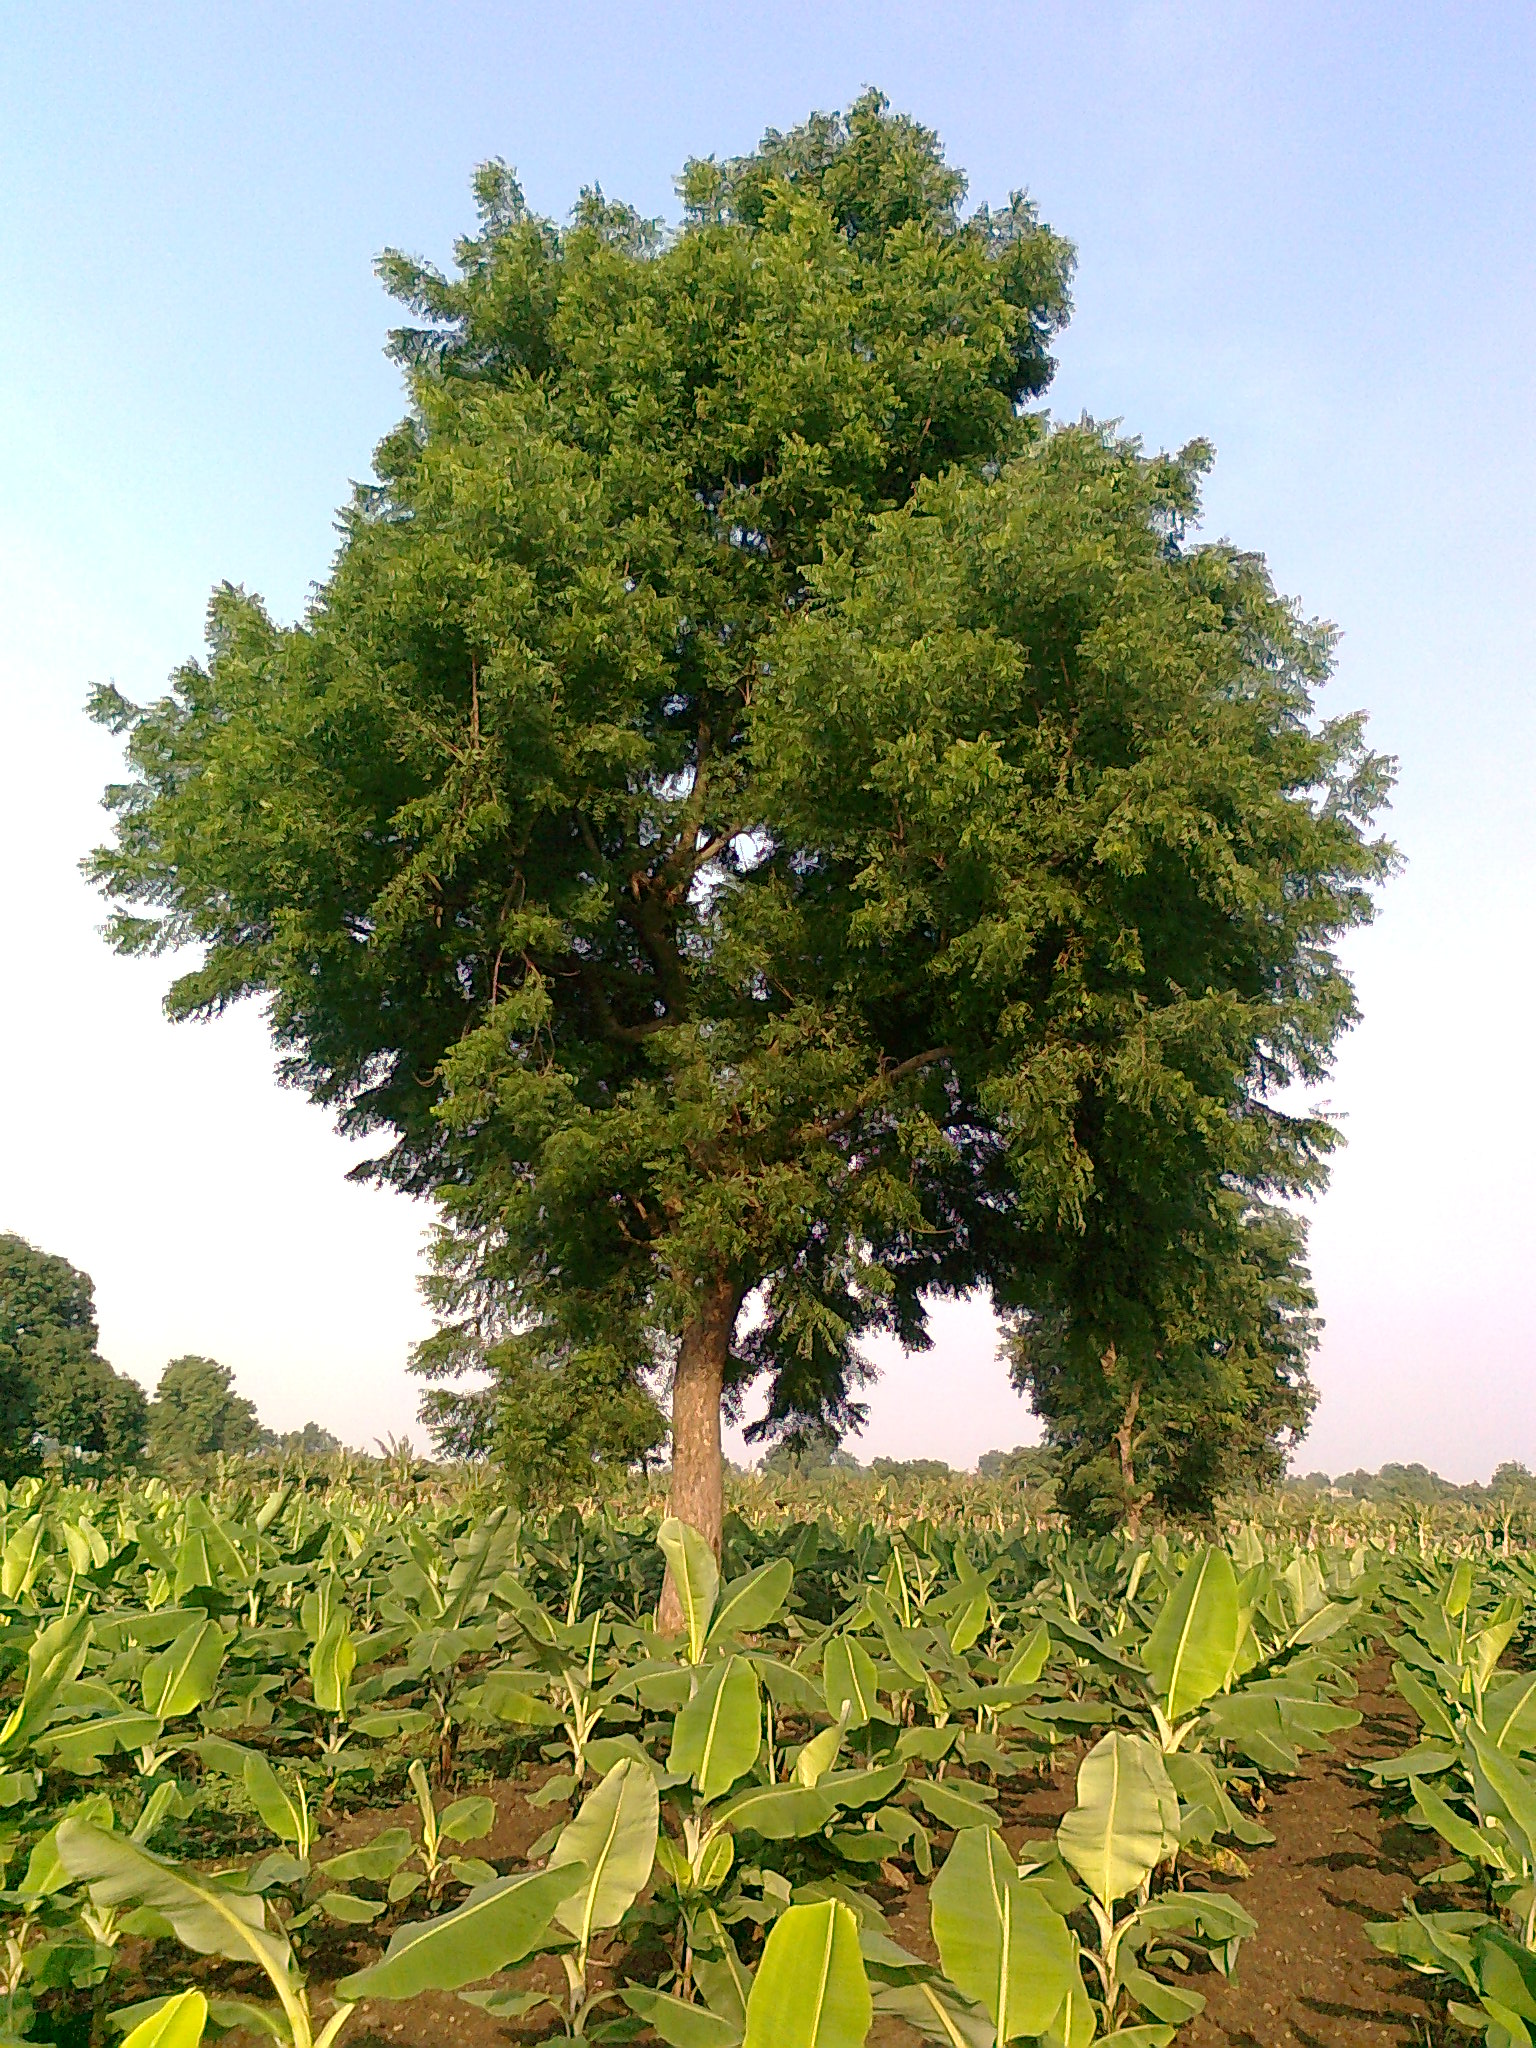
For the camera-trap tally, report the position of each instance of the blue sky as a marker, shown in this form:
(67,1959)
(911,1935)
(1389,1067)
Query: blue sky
(1304,231)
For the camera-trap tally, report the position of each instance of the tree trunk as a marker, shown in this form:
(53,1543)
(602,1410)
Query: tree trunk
(1125,1443)
(697,1493)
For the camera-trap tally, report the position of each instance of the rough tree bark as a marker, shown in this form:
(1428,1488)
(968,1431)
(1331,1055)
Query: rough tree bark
(697,1493)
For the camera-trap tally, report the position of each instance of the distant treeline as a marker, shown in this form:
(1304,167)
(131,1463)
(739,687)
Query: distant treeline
(1401,1485)
(60,1399)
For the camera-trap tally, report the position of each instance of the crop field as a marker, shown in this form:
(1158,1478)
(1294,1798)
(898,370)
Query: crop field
(330,1761)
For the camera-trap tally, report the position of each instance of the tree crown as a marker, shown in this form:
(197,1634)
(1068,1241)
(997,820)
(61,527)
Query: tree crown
(753,808)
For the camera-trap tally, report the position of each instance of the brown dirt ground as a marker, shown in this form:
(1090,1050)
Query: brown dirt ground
(1309,1978)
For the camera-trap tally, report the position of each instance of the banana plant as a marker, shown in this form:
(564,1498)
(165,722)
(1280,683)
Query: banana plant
(604,1857)
(206,1916)
(1124,1824)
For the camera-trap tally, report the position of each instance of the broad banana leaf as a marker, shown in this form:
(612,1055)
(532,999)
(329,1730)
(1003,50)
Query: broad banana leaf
(935,2012)
(849,1679)
(779,1813)
(54,1659)
(1117,1833)
(678,2023)
(178,2024)
(206,1917)
(497,1925)
(613,1841)
(695,1575)
(752,1602)
(716,1737)
(1194,1642)
(183,1676)
(811,1988)
(1001,1945)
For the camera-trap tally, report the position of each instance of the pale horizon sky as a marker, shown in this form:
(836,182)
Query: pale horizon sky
(1304,230)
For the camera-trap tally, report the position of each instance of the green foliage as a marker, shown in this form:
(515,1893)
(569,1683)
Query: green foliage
(196,1413)
(53,1384)
(756,813)
(848,1692)
(309,1442)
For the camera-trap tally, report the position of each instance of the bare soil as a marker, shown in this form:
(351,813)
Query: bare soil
(1310,1975)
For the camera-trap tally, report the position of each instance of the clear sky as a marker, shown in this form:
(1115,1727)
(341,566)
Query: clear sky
(1304,230)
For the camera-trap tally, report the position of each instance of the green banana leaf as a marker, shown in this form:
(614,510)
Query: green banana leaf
(1194,1642)
(613,1842)
(811,1988)
(1118,1832)
(1001,1945)
(716,1737)
(696,1576)
(497,1925)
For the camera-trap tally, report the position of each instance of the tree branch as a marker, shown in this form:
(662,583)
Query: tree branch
(830,1126)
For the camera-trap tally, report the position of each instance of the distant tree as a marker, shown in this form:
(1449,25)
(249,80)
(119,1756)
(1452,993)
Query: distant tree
(760,817)
(556,1417)
(1034,1466)
(1512,1478)
(810,1449)
(196,1413)
(910,1468)
(54,1385)
(309,1442)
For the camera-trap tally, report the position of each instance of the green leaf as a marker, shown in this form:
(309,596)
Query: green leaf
(955,1803)
(331,1664)
(1194,1643)
(696,1576)
(466,1820)
(613,1841)
(54,1659)
(78,1745)
(716,1737)
(178,2024)
(183,1676)
(281,1811)
(1509,1712)
(818,1755)
(678,2023)
(374,1861)
(1426,1702)
(1001,1945)
(494,1928)
(1513,1789)
(1460,1834)
(934,2011)
(1117,1833)
(811,1989)
(779,1813)
(206,1918)
(1030,1658)
(849,1680)
(750,1603)
(349,1910)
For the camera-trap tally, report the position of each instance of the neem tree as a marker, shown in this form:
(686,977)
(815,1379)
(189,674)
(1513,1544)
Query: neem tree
(765,823)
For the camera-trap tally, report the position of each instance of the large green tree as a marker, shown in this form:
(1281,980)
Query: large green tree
(53,1382)
(756,815)
(196,1413)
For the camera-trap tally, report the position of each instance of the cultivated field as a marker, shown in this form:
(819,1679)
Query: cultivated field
(359,1756)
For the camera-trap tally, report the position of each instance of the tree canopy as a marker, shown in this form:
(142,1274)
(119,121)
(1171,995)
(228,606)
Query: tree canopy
(766,823)
(196,1413)
(54,1385)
